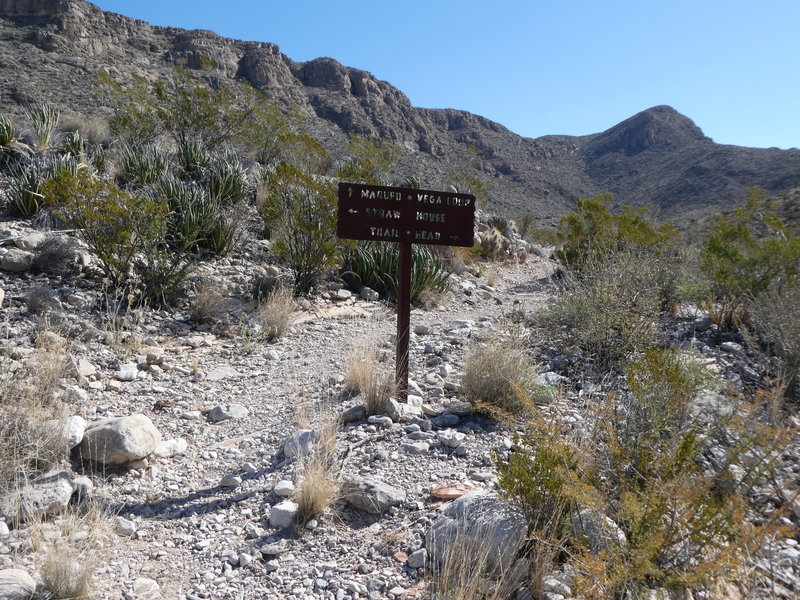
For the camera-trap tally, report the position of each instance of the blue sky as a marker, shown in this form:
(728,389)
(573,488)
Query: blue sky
(544,67)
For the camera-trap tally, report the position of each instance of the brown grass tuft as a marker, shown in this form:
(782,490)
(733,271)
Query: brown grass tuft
(275,314)
(362,374)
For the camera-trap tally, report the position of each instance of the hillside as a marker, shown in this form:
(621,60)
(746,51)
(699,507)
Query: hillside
(50,49)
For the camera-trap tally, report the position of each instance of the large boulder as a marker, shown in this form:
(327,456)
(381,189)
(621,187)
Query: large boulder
(16,584)
(371,495)
(119,440)
(49,494)
(480,520)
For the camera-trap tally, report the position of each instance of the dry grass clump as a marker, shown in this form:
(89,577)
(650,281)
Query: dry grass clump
(208,305)
(73,546)
(362,374)
(492,277)
(28,406)
(275,313)
(499,375)
(317,475)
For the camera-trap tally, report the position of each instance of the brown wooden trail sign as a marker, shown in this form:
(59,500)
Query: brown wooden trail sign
(406,216)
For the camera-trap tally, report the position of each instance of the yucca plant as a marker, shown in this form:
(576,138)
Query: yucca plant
(25,189)
(74,144)
(375,265)
(143,165)
(225,179)
(44,119)
(11,148)
(192,158)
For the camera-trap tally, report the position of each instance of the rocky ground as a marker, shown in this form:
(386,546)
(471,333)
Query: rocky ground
(198,518)
(201,506)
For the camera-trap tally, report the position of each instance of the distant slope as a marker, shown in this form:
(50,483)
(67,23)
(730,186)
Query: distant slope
(50,49)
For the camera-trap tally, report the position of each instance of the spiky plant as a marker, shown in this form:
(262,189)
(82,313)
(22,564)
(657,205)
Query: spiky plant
(44,119)
(192,158)
(143,165)
(11,148)
(25,189)
(225,179)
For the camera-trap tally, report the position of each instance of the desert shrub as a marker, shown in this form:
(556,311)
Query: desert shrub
(591,230)
(500,376)
(28,411)
(12,149)
(275,314)
(464,175)
(645,468)
(776,320)
(143,165)
(56,256)
(93,130)
(611,311)
(208,304)
(368,161)
(299,212)
(44,120)
(375,265)
(747,251)
(127,233)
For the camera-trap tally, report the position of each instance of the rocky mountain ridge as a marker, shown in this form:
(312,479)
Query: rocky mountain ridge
(50,49)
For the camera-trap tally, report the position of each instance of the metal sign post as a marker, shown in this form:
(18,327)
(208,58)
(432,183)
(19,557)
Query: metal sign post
(406,216)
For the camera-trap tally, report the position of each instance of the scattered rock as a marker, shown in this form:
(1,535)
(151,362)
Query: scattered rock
(49,494)
(16,584)
(483,516)
(284,488)
(119,440)
(300,443)
(127,372)
(16,261)
(283,514)
(170,448)
(596,530)
(354,414)
(224,412)
(371,495)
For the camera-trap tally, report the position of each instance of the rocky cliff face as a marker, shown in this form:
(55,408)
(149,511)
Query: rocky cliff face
(50,49)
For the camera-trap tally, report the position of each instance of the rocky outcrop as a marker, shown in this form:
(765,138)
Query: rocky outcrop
(657,158)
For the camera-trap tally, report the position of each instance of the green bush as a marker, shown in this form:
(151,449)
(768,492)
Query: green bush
(776,320)
(127,233)
(644,468)
(611,311)
(591,229)
(375,265)
(299,214)
(748,251)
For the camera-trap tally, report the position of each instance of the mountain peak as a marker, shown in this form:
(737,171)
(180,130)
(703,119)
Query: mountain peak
(657,128)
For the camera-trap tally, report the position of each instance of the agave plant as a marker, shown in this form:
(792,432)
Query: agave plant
(74,144)
(44,119)
(375,265)
(143,165)
(225,179)
(192,158)
(11,148)
(25,189)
